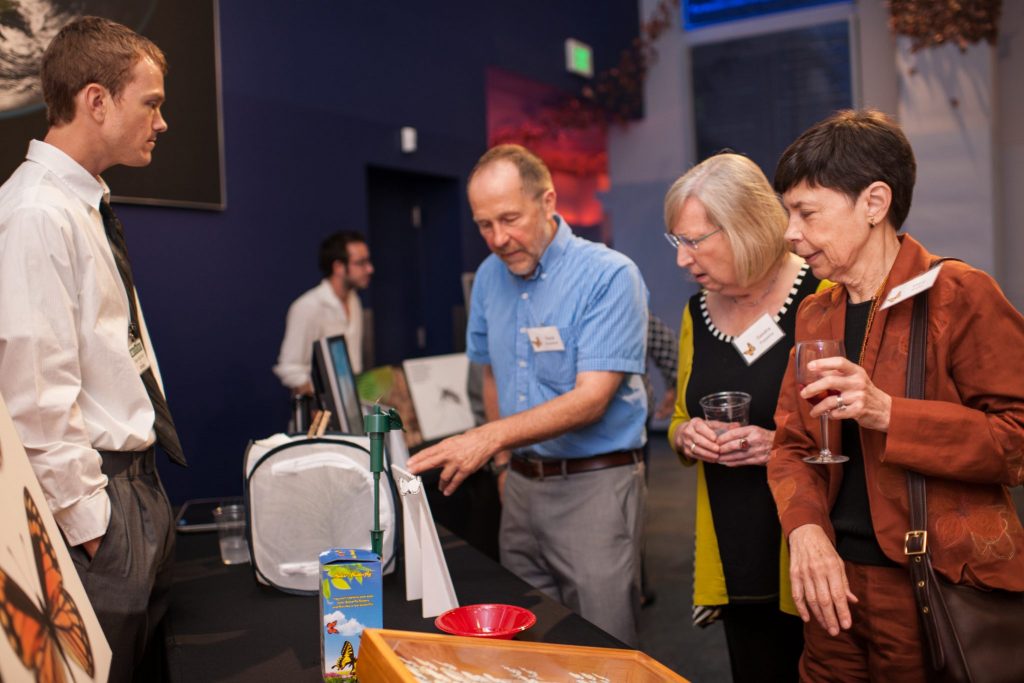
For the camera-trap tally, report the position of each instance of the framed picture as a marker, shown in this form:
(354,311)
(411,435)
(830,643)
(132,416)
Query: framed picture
(188,164)
(386,385)
(438,386)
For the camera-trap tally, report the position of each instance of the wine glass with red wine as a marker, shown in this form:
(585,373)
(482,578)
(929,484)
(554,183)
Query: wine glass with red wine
(807,351)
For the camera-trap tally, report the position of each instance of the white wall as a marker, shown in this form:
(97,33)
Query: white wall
(644,158)
(969,201)
(1009,145)
(946,110)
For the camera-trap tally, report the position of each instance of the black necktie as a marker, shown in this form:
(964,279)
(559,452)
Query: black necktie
(166,434)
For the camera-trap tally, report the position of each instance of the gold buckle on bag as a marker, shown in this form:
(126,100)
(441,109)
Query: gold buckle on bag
(919,539)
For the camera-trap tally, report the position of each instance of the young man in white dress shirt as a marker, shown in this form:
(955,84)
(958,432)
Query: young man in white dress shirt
(329,309)
(76,367)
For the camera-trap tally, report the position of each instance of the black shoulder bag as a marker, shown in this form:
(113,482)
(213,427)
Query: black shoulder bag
(970,635)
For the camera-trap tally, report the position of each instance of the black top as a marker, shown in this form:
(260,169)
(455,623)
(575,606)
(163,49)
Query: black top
(746,522)
(851,515)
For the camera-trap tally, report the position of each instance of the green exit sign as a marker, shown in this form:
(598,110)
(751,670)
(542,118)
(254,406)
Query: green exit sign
(579,58)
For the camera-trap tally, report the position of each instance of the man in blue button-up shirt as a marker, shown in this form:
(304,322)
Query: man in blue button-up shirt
(559,324)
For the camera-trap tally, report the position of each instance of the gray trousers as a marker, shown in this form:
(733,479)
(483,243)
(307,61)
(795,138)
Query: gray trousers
(128,580)
(577,539)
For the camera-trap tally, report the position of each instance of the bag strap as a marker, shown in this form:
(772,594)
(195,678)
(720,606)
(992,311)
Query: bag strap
(915,543)
(915,389)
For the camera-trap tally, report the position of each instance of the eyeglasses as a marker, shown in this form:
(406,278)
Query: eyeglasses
(678,240)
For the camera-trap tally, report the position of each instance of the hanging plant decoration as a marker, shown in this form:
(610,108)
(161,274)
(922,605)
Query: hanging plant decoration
(934,22)
(616,95)
(619,91)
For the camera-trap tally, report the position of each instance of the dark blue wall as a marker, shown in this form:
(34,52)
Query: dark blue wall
(313,93)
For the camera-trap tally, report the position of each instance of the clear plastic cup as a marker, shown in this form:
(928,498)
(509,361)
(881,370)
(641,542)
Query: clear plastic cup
(726,409)
(231,532)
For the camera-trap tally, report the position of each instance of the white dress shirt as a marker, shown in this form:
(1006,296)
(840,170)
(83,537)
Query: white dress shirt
(65,370)
(318,313)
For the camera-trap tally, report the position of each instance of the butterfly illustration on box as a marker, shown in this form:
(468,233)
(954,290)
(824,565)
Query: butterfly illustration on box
(347,660)
(44,627)
(332,626)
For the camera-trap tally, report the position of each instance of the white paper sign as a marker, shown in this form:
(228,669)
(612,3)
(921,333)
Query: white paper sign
(29,541)
(755,341)
(426,570)
(910,288)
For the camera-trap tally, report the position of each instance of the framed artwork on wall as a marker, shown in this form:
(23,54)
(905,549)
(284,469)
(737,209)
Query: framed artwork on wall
(188,164)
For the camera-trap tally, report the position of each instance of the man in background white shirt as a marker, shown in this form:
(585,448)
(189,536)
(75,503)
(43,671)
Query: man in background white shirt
(77,369)
(329,309)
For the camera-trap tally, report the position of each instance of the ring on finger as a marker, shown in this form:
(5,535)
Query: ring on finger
(693,446)
(840,405)
(744,444)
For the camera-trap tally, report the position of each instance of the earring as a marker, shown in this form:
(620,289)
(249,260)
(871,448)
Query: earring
(871,221)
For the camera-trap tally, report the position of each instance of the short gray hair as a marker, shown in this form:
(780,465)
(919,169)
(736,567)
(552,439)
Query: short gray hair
(535,176)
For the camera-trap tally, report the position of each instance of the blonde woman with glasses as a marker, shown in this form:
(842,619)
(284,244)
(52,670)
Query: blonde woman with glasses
(726,225)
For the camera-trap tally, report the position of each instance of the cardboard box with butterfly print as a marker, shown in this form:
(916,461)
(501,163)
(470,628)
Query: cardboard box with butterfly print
(50,630)
(351,600)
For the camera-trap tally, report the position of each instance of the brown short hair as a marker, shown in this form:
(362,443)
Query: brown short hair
(738,199)
(335,248)
(847,152)
(91,50)
(534,173)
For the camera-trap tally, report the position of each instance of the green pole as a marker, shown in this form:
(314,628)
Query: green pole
(376,424)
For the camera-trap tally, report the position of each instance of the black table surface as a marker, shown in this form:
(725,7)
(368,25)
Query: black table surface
(224,626)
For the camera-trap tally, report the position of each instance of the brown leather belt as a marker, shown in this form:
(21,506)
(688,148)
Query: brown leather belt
(537,468)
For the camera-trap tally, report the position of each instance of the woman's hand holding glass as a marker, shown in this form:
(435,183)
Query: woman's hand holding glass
(697,439)
(851,394)
(745,445)
(732,445)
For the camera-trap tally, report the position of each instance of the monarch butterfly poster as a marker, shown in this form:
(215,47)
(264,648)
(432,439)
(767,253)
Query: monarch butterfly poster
(49,630)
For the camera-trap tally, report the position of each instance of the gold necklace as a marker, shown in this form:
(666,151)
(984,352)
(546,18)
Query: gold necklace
(871,319)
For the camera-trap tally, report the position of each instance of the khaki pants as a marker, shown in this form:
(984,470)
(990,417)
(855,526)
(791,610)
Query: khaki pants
(577,539)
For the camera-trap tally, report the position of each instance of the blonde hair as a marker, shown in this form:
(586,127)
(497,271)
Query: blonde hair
(737,198)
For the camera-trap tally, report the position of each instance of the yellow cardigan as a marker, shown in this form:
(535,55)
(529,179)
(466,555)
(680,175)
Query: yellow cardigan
(708,576)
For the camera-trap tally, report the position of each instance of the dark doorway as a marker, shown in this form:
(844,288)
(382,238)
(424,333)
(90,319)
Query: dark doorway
(416,246)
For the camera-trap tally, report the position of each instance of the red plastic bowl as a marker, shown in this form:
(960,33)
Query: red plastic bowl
(486,621)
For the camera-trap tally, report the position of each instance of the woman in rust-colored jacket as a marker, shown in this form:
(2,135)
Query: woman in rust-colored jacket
(847,183)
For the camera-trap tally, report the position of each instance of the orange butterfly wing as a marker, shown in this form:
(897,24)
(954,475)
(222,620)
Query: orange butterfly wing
(27,633)
(62,612)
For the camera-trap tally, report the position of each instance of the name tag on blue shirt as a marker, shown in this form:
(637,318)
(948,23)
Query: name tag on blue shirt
(545,339)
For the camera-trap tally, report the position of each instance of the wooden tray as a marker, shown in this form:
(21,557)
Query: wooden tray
(387,656)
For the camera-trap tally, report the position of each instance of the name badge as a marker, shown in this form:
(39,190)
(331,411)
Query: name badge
(911,288)
(139,356)
(545,339)
(755,341)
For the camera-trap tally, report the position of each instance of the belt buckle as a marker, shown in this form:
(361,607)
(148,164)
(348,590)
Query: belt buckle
(916,536)
(538,465)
